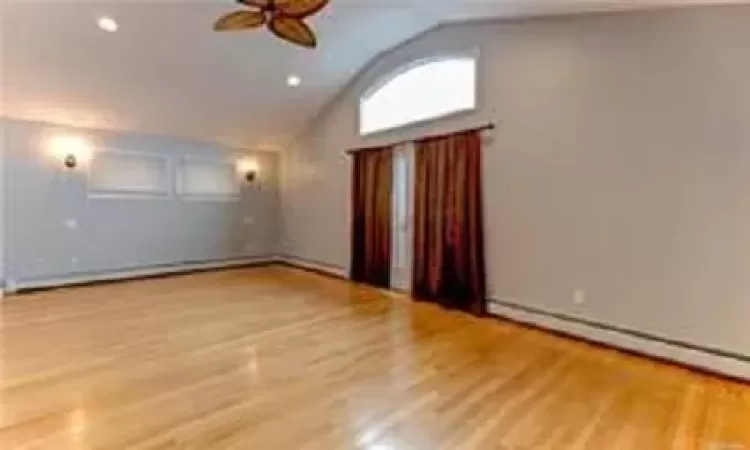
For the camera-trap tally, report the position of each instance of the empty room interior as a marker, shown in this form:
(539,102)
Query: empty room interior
(375,225)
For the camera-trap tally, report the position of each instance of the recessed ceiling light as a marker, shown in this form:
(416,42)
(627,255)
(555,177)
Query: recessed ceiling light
(293,81)
(107,24)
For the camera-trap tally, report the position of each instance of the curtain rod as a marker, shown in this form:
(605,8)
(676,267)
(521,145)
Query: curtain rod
(489,126)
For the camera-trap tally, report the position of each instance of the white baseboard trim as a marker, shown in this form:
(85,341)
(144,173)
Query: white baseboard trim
(49,283)
(736,366)
(338,272)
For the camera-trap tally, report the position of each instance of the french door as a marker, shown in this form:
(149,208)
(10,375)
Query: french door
(403,217)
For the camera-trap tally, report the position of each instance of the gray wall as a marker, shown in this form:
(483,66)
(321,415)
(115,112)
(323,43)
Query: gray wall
(120,234)
(621,167)
(2,203)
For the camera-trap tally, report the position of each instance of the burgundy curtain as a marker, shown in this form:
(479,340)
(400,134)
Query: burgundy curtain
(372,181)
(448,231)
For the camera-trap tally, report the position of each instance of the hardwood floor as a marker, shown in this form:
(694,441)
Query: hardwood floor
(275,358)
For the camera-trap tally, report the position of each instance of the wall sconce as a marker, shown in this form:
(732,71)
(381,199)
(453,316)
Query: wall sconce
(70,150)
(249,169)
(70,161)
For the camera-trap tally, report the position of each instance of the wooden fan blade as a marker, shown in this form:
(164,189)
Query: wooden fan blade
(300,8)
(293,30)
(240,20)
(262,4)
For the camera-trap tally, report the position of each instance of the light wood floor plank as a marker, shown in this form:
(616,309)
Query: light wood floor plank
(275,358)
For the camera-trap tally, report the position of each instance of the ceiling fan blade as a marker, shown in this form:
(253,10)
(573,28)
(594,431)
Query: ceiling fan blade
(262,4)
(240,20)
(300,8)
(293,30)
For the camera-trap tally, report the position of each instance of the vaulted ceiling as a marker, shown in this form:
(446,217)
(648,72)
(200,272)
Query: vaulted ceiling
(166,72)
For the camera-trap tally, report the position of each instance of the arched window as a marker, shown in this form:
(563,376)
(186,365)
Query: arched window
(426,90)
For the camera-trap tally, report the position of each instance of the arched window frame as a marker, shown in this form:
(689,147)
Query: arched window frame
(385,80)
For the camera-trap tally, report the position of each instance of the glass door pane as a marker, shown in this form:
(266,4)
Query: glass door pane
(402,217)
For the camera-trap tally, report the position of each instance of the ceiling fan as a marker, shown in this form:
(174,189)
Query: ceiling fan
(285,19)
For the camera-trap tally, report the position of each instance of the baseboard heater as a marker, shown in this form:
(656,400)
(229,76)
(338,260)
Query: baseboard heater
(153,271)
(693,356)
(313,266)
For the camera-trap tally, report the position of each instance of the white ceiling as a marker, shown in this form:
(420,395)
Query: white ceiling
(166,72)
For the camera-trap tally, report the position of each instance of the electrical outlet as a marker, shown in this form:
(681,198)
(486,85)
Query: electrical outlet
(248,220)
(71,224)
(74,261)
(579,297)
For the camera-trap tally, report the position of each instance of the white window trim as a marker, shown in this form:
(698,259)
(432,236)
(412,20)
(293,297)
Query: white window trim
(167,194)
(219,162)
(382,81)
